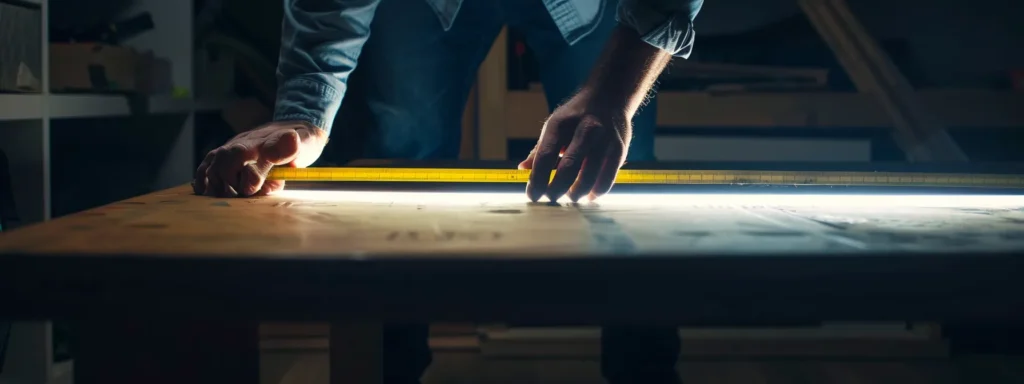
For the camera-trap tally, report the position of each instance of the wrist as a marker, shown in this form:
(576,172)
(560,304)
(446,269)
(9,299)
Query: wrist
(299,125)
(305,129)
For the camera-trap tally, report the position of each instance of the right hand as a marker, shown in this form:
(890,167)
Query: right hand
(240,166)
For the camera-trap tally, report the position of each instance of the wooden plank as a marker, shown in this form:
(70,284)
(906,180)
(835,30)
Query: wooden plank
(492,85)
(730,348)
(690,68)
(723,77)
(296,255)
(291,330)
(305,344)
(343,225)
(273,330)
(921,135)
(574,343)
(351,225)
(825,110)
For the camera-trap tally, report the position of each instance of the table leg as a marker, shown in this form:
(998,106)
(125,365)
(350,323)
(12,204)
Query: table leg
(357,352)
(133,352)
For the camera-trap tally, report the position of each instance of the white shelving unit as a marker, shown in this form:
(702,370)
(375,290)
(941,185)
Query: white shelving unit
(25,135)
(25,119)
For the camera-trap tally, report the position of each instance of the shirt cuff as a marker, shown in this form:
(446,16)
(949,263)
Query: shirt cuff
(667,28)
(309,99)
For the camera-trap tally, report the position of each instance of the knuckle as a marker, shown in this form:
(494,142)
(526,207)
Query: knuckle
(546,149)
(591,122)
(234,149)
(569,160)
(556,123)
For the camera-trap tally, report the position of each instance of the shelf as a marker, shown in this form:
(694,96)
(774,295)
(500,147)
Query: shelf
(27,107)
(526,110)
(79,106)
(72,106)
(20,106)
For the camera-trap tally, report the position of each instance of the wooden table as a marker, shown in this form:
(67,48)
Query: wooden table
(128,272)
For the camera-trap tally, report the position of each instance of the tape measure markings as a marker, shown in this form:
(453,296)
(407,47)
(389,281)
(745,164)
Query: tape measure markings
(653,177)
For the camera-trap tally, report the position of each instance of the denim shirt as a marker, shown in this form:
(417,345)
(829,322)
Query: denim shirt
(322,39)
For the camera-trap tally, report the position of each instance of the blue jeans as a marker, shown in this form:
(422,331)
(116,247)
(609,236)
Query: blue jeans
(415,77)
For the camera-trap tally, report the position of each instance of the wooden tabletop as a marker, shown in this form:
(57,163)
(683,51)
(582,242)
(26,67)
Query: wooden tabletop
(460,256)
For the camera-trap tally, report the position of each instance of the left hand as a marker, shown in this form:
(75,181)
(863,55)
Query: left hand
(585,141)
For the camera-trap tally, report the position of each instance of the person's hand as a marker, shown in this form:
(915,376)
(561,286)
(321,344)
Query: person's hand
(591,132)
(585,141)
(240,166)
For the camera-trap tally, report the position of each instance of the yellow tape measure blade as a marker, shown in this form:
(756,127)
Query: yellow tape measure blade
(628,176)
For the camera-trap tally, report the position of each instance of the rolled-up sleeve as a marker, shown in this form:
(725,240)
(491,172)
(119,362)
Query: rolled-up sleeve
(320,45)
(666,24)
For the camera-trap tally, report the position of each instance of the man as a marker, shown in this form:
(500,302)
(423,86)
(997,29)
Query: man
(415,74)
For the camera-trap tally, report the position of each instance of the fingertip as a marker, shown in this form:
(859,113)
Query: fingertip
(533,193)
(277,186)
(270,187)
(213,186)
(574,195)
(527,163)
(554,198)
(229,191)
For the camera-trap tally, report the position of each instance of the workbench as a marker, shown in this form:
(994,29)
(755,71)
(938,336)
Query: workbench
(128,271)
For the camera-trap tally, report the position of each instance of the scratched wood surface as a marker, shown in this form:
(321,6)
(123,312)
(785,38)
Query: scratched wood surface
(176,222)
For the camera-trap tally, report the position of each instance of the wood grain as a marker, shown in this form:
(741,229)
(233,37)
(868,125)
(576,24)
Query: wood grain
(428,226)
(411,257)
(173,255)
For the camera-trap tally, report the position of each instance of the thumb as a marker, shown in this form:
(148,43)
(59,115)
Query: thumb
(280,148)
(528,163)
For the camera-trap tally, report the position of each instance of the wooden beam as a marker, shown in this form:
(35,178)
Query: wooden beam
(921,135)
(492,85)
(795,342)
(981,109)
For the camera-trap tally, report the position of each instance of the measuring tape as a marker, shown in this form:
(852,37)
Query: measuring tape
(629,176)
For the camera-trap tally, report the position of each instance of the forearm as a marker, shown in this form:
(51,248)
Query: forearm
(626,71)
(649,34)
(320,45)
